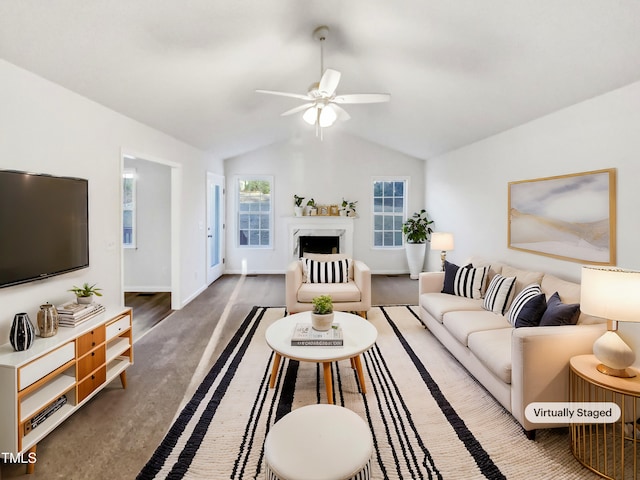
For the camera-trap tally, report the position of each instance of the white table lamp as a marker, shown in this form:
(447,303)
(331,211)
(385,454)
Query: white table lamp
(613,294)
(442,241)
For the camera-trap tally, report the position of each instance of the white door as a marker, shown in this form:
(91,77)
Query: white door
(215,226)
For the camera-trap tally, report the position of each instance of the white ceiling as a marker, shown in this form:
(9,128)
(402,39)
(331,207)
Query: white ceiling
(458,71)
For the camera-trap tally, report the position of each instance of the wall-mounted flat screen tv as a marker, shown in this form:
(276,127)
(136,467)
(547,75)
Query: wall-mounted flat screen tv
(44,226)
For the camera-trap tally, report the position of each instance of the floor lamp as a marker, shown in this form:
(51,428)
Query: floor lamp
(442,241)
(613,294)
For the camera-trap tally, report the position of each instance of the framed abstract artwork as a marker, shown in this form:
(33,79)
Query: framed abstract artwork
(571,217)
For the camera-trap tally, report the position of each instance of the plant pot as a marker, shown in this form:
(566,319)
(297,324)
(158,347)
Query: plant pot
(322,323)
(297,211)
(84,300)
(415,258)
(48,320)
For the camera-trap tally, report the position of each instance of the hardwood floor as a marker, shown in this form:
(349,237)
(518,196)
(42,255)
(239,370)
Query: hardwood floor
(148,310)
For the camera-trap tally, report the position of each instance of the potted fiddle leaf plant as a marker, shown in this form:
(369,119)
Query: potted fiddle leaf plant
(417,230)
(312,209)
(85,293)
(298,205)
(322,314)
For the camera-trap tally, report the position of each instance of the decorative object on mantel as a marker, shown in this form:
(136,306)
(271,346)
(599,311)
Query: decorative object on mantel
(22,333)
(311,207)
(85,293)
(611,293)
(48,320)
(322,314)
(418,233)
(442,241)
(348,208)
(298,205)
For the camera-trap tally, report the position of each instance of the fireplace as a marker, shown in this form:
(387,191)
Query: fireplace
(319,244)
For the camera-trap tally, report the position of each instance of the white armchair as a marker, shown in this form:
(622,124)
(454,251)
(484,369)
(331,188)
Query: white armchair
(354,296)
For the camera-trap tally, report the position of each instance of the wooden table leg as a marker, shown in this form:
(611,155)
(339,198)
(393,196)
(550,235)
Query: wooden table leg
(31,466)
(328,381)
(358,364)
(274,370)
(123,379)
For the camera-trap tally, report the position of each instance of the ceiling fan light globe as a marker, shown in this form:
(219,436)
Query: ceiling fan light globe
(327,116)
(310,115)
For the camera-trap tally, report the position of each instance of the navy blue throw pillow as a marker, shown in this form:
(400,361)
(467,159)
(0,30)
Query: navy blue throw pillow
(450,270)
(531,312)
(558,313)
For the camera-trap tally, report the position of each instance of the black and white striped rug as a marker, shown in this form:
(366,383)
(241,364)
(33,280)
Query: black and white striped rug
(428,417)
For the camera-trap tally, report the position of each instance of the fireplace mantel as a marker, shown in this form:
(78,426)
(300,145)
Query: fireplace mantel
(319,225)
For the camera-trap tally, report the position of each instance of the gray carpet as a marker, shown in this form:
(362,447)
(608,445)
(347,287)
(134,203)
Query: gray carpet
(428,418)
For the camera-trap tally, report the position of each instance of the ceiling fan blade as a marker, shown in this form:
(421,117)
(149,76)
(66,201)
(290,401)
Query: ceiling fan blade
(297,109)
(340,112)
(286,94)
(329,82)
(363,98)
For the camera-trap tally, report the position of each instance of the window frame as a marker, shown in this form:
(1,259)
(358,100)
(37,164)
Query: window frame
(131,174)
(238,212)
(402,216)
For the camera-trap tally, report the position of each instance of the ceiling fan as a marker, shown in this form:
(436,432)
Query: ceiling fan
(322,107)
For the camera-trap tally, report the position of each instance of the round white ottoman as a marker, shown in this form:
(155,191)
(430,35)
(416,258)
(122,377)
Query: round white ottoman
(318,442)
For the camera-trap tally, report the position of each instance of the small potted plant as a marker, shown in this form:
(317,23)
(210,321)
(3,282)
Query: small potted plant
(322,314)
(348,208)
(417,230)
(85,293)
(311,207)
(298,205)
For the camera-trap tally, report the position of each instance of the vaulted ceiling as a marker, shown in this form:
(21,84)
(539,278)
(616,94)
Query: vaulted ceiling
(458,71)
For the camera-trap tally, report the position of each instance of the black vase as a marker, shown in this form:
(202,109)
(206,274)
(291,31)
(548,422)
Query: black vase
(22,332)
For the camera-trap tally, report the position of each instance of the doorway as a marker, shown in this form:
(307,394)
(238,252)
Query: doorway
(215,226)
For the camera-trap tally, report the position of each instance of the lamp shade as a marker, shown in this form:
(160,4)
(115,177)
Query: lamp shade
(442,241)
(610,293)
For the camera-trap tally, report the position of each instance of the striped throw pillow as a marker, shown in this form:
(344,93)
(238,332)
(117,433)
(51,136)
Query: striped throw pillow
(499,294)
(521,300)
(326,272)
(469,282)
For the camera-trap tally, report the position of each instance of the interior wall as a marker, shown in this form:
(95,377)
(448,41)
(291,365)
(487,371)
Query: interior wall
(48,129)
(147,267)
(467,189)
(338,166)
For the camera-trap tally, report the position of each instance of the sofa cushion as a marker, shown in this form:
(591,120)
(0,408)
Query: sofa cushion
(336,271)
(499,294)
(523,277)
(520,300)
(461,324)
(493,349)
(531,313)
(329,257)
(339,292)
(464,281)
(437,304)
(558,313)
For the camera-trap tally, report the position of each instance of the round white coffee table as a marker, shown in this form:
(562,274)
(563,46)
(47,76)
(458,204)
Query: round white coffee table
(359,336)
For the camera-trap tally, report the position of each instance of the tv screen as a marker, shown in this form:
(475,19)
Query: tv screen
(44,226)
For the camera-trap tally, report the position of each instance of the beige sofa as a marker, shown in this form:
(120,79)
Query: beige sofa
(516,365)
(353,296)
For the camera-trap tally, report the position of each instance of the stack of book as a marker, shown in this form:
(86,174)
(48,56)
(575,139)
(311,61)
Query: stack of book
(72,314)
(305,335)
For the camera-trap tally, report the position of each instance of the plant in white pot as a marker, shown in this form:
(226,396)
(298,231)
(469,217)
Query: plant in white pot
(297,209)
(85,293)
(418,232)
(322,314)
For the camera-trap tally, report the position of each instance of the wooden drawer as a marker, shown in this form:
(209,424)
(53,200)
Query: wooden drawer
(117,327)
(44,365)
(90,340)
(89,384)
(91,361)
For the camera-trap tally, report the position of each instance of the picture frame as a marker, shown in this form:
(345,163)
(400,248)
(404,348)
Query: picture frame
(334,211)
(570,217)
(323,210)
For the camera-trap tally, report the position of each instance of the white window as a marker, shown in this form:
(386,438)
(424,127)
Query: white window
(129,208)
(255,211)
(389,212)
